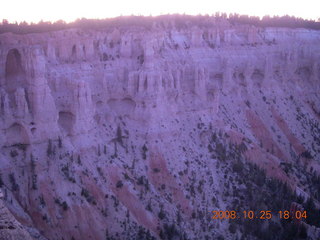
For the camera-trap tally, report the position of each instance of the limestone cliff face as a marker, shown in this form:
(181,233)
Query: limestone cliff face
(56,80)
(81,109)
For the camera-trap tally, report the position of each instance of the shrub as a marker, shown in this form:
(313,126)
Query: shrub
(232,227)
(144,151)
(306,154)
(50,150)
(161,214)
(34,182)
(237,167)
(79,160)
(149,208)
(85,193)
(170,232)
(66,172)
(59,142)
(119,184)
(221,151)
(13,153)
(65,206)
(14,185)
(140,180)
(156,170)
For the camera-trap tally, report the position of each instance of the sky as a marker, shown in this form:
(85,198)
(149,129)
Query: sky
(70,10)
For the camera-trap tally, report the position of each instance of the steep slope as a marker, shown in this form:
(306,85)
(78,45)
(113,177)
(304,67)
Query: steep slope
(139,133)
(10,228)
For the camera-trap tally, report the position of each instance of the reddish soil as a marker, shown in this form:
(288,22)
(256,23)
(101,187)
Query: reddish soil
(130,200)
(287,132)
(263,135)
(159,174)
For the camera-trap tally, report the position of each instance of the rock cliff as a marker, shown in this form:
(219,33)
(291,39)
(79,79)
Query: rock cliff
(138,132)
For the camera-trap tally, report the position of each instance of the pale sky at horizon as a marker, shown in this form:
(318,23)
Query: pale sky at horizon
(70,10)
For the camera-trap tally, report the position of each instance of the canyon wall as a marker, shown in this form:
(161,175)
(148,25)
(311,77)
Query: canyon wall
(97,124)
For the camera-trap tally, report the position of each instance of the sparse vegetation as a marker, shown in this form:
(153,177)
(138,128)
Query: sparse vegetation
(119,184)
(306,154)
(161,213)
(50,149)
(1,181)
(33,175)
(14,185)
(63,204)
(193,169)
(169,231)
(90,199)
(181,21)
(156,170)
(144,151)
(65,170)
(13,153)
(59,142)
